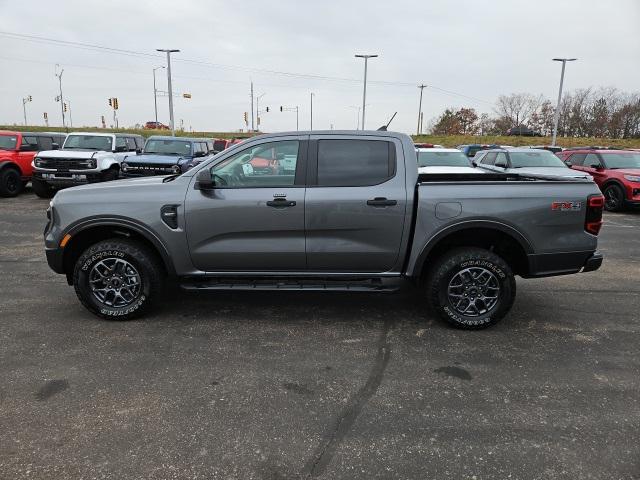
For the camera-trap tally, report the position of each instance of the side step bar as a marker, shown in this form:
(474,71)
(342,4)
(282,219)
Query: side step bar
(294,283)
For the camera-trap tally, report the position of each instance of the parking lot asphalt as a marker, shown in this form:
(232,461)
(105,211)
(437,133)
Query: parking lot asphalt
(273,385)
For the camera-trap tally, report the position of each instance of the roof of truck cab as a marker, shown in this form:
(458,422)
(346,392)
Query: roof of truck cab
(169,137)
(335,133)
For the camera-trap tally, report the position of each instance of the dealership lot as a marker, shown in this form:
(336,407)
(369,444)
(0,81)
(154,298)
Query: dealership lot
(305,385)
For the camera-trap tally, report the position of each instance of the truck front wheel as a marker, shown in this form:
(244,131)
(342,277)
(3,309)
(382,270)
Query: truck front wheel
(117,279)
(471,288)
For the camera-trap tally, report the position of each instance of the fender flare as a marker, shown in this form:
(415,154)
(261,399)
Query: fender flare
(8,164)
(614,181)
(466,225)
(117,221)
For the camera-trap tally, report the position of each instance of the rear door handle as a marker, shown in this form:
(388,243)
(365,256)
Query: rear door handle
(281,203)
(381,202)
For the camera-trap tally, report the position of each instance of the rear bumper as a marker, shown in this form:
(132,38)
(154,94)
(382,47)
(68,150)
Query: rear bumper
(565,263)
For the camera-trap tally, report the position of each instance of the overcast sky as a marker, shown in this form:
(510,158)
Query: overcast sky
(476,48)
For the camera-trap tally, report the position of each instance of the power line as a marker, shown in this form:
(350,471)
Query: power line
(119,51)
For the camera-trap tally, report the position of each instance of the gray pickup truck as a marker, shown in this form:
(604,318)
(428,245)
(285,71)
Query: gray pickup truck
(334,210)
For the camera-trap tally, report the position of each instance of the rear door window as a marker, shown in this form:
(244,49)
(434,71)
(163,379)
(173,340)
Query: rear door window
(576,159)
(29,143)
(355,163)
(592,161)
(131,144)
(45,143)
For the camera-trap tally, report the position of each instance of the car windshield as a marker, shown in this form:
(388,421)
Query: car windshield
(541,158)
(88,142)
(168,147)
(442,159)
(8,142)
(621,160)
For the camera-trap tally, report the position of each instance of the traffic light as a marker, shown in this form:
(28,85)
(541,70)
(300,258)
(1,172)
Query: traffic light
(30,98)
(46,117)
(111,102)
(246,118)
(65,106)
(115,103)
(267,110)
(186,95)
(281,108)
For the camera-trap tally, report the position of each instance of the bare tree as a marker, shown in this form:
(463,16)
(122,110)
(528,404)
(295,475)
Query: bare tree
(518,107)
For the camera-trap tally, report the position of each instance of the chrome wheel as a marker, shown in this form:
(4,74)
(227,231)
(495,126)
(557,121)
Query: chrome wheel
(115,282)
(473,291)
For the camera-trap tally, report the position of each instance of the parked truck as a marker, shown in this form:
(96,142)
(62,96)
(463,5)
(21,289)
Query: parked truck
(85,157)
(353,215)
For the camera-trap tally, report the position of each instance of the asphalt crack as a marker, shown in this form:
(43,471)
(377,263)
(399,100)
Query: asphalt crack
(323,455)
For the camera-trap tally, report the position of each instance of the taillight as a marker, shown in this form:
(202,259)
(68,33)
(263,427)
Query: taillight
(593,218)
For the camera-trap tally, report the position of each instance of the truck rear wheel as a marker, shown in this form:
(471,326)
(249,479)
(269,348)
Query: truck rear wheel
(118,279)
(42,189)
(471,288)
(10,182)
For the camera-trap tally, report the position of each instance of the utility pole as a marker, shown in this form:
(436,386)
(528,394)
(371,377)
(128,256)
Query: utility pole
(59,75)
(557,112)
(25,100)
(312,94)
(252,128)
(364,90)
(421,87)
(68,104)
(169,87)
(155,93)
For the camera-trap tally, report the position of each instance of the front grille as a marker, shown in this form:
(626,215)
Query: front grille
(150,169)
(63,164)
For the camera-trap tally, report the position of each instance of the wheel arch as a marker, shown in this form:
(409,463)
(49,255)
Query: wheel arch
(500,238)
(94,230)
(10,164)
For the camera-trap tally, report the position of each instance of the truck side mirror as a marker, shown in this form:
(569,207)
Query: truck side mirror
(204,181)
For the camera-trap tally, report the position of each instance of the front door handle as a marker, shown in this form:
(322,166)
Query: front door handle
(281,203)
(381,202)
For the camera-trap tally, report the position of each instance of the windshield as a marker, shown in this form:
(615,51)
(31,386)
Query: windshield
(535,159)
(168,147)
(442,159)
(8,142)
(621,160)
(88,142)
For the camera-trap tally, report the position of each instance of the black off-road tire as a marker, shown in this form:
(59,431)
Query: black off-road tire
(42,189)
(452,267)
(111,174)
(123,251)
(613,198)
(10,182)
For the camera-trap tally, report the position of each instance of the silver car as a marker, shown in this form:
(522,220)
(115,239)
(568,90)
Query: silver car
(526,161)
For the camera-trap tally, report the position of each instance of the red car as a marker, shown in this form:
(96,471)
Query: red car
(155,126)
(17,150)
(617,173)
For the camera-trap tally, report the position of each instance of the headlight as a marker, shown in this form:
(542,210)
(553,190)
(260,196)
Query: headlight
(176,169)
(90,163)
(38,162)
(633,178)
(124,167)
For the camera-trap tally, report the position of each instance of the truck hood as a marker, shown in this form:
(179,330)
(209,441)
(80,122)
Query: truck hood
(80,154)
(156,159)
(113,187)
(551,172)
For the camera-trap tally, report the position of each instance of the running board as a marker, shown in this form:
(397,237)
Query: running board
(305,284)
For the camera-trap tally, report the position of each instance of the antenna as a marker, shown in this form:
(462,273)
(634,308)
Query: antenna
(384,127)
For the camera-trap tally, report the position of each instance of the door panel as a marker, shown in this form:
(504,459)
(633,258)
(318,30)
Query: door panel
(254,220)
(355,228)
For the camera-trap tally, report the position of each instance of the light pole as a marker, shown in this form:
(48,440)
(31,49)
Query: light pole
(258,109)
(59,75)
(312,94)
(421,87)
(169,52)
(68,104)
(291,109)
(155,93)
(364,91)
(25,100)
(557,113)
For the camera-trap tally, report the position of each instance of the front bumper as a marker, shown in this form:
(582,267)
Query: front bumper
(68,178)
(55,259)
(565,263)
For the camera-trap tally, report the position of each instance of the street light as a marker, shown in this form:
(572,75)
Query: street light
(312,95)
(421,87)
(557,113)
(364,91)
(169,52)
(155,92)
(25,100)
(292,109)
(258,109)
